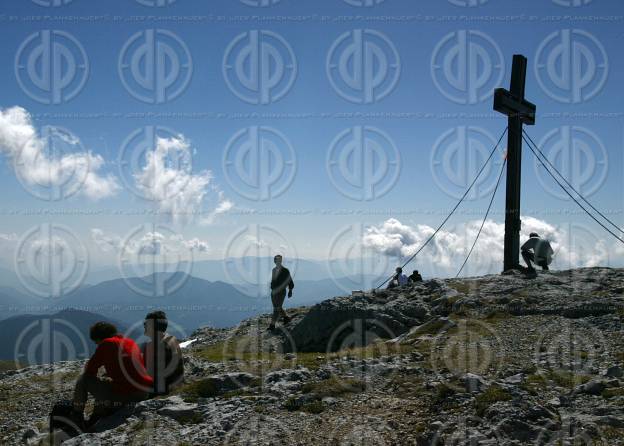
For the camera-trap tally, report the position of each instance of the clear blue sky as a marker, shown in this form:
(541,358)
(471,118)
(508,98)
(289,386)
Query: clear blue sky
(415,114)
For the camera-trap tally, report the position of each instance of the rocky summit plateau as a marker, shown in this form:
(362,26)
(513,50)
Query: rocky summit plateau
(493,360)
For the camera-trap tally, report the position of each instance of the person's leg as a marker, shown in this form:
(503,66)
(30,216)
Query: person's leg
(101,390)
(285,317)
(276,308)
(528,257)
(278,305)
(80,394)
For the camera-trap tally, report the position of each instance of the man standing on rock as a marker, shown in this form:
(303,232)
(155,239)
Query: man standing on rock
(537,250)
(280,280)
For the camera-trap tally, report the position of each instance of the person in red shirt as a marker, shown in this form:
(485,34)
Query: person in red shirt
(125,380)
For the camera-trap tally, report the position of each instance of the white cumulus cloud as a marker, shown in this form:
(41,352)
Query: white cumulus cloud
(178,192)
(574,245)
(26,148)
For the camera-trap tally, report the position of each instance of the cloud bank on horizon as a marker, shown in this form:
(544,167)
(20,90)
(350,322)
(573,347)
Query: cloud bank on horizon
(573,246)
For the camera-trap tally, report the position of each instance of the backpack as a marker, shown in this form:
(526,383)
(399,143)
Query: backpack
(63,418)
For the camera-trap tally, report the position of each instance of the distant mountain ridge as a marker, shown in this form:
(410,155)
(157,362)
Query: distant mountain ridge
(40,339)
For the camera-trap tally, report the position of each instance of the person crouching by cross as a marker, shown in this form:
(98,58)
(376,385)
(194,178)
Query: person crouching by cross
(280,281)
(537,250)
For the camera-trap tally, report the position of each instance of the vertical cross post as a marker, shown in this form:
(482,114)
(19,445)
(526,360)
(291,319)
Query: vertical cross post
(519,111)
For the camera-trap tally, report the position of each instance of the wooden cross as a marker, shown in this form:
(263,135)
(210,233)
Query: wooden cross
(519,111)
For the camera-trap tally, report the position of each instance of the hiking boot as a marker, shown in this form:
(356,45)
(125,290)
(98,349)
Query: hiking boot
(287,320)
(271,328)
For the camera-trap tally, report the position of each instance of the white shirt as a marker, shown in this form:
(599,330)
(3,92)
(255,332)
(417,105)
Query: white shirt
(541,248)
(402,279)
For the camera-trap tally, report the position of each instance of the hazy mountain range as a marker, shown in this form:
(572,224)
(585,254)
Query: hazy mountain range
(203,298)
(37,339)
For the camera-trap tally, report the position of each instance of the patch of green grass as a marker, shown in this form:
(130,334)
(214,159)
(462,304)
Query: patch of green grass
(5,366)
(534,384)
(565,378)
(315,407)
(203,388)
(238,393)
(463,287)
(490,396)
(244,349)
(608,436)
(442,392)
(334,387)
(613,392)
(407,386)
(195,418)
(497,316)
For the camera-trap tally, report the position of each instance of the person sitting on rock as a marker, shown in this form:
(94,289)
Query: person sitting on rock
(125,381)
(415,277)
(399,279)
(537,250)
(163,355)
(280,281)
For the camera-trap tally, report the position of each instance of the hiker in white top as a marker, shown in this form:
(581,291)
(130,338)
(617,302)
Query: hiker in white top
(537,250)
(399,279)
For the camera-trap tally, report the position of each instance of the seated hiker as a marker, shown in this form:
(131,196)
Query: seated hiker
(163,356)
(280,280)
(415,277)
(126,380)
(399,279)
(537,250)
